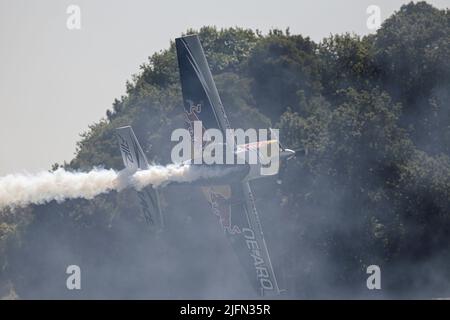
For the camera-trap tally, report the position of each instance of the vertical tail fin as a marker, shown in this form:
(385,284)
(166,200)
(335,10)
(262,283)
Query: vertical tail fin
(134,159)
(132,155)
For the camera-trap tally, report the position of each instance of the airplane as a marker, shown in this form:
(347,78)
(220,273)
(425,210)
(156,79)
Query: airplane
(230,195)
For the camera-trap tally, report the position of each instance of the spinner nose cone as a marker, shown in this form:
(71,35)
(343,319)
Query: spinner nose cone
(288,154)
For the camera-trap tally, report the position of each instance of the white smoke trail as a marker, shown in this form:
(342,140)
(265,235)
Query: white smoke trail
(23,189)
(18,190)
(159,175)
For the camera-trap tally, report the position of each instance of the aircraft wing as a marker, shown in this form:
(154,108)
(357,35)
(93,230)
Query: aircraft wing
(200,97)
(235,207)
(134,159)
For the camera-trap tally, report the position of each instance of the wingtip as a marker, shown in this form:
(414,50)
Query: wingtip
(123,127)
(192,35)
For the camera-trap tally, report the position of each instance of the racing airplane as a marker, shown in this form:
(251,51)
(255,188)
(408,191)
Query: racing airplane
(230,196)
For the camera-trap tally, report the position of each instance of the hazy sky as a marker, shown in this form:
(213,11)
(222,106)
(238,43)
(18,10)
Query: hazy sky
(54,82)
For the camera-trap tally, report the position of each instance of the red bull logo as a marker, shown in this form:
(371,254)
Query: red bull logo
(192,116)
(222,209)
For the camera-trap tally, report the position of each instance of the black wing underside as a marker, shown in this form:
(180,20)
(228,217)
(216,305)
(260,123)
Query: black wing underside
(234,206)
(200,97)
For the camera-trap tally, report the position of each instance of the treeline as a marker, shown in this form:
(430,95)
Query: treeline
(372,112)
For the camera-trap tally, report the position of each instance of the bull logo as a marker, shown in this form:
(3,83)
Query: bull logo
(222,209)
(191,116)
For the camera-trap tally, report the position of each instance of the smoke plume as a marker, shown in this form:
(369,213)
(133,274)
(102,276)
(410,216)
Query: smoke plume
(19,190)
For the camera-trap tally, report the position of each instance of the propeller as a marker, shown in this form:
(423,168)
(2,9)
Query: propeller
(273,135)
(285,156)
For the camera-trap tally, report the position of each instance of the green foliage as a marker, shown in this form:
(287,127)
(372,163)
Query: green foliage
(281,66)
(412,50)
(346,61)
